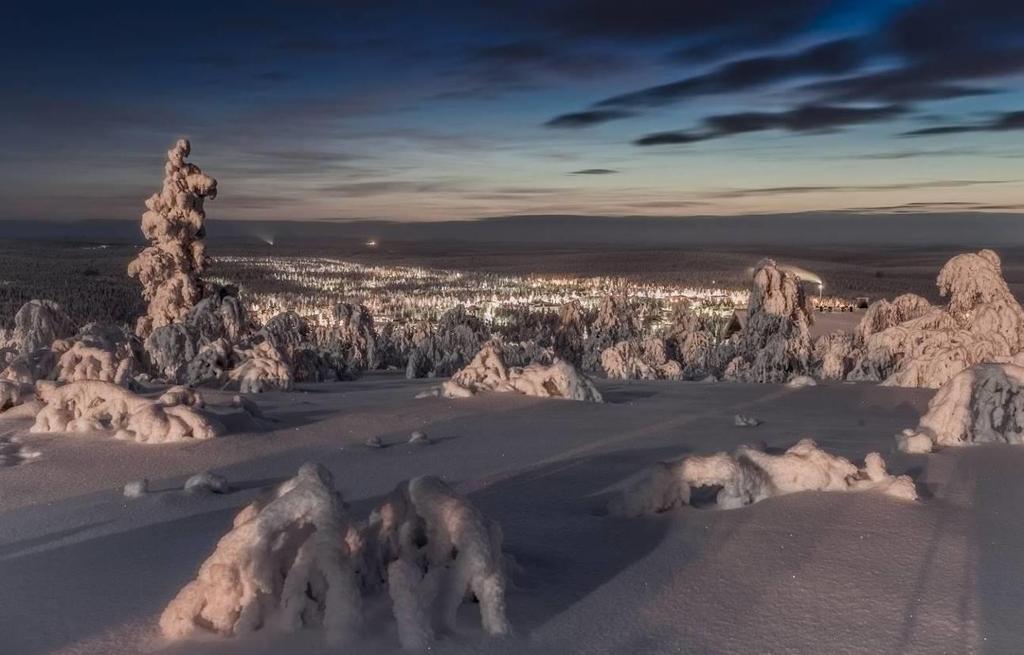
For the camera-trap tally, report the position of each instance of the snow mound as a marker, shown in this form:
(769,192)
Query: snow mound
(12,394)
(284,565)
(982,404)
(798,381)
(488,372)
(96,406)
(744,421)
(136,488)
(750,476)
(96,360)
(169,268)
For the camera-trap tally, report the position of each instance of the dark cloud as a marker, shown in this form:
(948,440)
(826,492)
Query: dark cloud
(805,118)
(790,190)
(707,24)
(594,171)
(588,118)
(831,58)
(1013,120)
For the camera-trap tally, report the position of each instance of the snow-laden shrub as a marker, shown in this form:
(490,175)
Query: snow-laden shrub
(489,372)
(285,564)
(349,343)
(884,314)
(450,346)
(433,547)
(640,360)
(775,343)
(750,476)
(216,322)
(616,320)
(570,333)
(95,406)
(834,356)
(169,268)
(95,357)
(37,325)
(982,322)
(981,404)
(262,368)
(13,393)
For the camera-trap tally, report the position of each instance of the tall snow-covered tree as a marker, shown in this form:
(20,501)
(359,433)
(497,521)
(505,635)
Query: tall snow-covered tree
(170,267)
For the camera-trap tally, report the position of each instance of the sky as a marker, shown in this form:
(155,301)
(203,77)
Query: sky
(449,109)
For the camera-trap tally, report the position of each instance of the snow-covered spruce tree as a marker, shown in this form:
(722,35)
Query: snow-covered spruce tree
(170,267)
(775,343)
(981,404)
(750,476)
(285,564)
(689,341)
(982,322)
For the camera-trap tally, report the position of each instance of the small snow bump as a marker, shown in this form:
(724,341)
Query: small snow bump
(207,482)
(374,442)
(136,488)
(419,437)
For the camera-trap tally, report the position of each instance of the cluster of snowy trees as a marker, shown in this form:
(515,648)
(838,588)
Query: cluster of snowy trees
(295,558)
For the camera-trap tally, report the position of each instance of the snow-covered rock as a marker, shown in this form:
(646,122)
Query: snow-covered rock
(285,564)
(750,476)
(488,372)
(96,406)
(982,404)
(169,268)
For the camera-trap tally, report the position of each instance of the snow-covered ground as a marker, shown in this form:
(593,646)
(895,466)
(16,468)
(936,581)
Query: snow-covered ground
(84,569)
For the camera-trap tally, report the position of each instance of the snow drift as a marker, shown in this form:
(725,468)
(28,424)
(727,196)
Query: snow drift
(750,476)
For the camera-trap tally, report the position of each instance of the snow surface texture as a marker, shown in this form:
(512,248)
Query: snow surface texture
(436,546)
(169,268)
(284,565)
(96,406)
(488,372)
(775,343)
(643,360)
(981,323)
(982,404)
(750,476)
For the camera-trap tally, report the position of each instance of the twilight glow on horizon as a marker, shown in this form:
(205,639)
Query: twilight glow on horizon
(463,109)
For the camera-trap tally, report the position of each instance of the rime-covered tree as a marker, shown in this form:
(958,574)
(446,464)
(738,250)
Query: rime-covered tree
(170,267)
